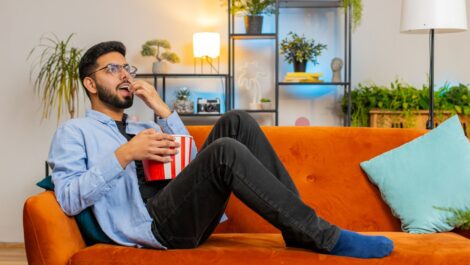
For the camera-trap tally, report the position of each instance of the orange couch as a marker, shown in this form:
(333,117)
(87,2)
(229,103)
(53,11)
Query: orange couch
(324,163)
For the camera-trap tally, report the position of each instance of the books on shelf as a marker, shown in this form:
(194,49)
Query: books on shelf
(303,77)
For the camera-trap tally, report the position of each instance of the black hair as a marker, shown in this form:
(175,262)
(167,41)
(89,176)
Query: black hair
(88,61)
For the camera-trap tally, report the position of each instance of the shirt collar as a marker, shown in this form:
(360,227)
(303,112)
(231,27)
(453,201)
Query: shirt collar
(101,117)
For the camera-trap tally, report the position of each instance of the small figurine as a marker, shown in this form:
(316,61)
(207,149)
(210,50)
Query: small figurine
(336,65)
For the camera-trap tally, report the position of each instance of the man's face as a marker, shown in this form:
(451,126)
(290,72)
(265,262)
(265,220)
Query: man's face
(112,87)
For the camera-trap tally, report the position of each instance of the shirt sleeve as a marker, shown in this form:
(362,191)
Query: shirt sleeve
(174,125)
(75,186)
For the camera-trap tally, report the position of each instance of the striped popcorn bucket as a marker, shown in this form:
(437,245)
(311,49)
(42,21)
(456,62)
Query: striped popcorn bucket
(155,170)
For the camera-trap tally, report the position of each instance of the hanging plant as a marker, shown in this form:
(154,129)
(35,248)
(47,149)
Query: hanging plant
(356,6)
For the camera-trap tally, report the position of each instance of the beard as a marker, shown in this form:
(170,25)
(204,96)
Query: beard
(112,99)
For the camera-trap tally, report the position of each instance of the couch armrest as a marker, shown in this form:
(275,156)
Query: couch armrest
(50,236)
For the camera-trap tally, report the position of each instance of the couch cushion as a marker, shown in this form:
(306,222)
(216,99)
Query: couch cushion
(432,170)
(447,248)
(86,221)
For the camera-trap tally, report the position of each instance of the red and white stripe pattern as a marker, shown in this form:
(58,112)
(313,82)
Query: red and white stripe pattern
(155,170)
(181,159)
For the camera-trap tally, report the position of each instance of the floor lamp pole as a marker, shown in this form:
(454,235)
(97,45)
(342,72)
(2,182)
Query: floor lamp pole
(430,123)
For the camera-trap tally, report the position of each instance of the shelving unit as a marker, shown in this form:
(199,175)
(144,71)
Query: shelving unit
(164,78)
(233,37)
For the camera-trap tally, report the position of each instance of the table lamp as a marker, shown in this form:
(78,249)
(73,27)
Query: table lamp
(206,46)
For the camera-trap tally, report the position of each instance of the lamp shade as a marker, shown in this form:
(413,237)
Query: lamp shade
(444,16)
(206,44)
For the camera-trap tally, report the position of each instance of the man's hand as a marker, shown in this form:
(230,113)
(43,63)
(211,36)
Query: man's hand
(148,144)
(149,95)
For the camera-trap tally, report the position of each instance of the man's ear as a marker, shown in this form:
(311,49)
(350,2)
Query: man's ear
(90,85)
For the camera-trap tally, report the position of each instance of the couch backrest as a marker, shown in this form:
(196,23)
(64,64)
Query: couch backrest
(324,164)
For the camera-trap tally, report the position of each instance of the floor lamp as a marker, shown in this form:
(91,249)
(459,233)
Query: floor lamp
(433,16)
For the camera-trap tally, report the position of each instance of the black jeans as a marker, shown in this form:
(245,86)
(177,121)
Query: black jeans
(238,158)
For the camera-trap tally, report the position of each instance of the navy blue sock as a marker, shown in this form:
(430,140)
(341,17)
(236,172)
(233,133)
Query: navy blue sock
(352,244)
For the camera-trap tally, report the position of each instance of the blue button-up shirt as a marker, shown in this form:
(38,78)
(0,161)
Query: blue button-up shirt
(86,173)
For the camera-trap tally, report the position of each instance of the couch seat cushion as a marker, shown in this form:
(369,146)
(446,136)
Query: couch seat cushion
(446,248)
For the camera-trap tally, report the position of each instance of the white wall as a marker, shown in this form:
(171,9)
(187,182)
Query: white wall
(380,54)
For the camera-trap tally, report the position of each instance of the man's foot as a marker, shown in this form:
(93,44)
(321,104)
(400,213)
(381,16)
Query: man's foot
(355,245)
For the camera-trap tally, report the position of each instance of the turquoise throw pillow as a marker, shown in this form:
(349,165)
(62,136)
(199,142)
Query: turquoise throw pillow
(86,221)
(428,172)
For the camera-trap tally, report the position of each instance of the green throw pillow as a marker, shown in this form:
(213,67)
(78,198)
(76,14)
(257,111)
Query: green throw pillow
(428,172)
(86,221)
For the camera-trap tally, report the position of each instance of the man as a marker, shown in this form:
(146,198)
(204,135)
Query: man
(96,163)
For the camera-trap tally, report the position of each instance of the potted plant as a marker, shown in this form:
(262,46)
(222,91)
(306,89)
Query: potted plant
(253,11)
(182,104)
(356,6)
(404,106)
(57,80)
(265,103)
(160,49)
(299,50)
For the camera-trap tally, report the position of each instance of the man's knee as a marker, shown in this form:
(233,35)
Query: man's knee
(229,149)
(228,143)
(239,116)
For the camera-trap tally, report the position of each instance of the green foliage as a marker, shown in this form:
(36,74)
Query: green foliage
(460,218)
(406,98)
(300,49)
(265,100)
(183,93)
(152,48)
(356,11)
(253,7)
(456,98)
(58,80)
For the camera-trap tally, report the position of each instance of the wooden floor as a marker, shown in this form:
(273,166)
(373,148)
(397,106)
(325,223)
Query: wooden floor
(12,255)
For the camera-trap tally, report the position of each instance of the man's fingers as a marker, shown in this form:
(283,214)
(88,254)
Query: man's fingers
(149,131)
(167,144)
(158,158)
(163,137)
(164,151)
(168,137)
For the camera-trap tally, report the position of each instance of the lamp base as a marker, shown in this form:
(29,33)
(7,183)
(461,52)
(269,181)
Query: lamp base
(209,61)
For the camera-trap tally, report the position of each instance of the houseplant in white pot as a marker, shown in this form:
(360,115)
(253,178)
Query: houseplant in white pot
(253,11)
(57,80)
(265,103)
(161,50)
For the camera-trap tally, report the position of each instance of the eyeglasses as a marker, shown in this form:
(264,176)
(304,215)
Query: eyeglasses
(116,69)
